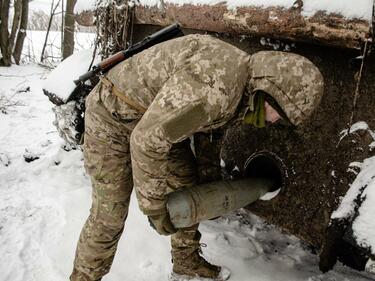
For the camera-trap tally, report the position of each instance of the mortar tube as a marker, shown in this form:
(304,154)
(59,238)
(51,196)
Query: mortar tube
(194,204)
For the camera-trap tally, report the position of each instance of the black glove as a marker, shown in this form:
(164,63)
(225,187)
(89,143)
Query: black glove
(162,224)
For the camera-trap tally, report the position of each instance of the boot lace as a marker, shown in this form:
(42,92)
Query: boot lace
(201,245)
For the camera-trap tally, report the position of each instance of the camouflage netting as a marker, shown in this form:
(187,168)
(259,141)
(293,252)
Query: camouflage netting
(113,23)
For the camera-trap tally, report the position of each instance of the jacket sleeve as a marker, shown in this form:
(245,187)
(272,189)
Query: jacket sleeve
(183,106)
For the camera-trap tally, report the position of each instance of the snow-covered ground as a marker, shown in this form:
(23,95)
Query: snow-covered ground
(34,41)
(44,203)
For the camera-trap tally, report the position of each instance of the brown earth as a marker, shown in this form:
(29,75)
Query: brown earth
(316,160)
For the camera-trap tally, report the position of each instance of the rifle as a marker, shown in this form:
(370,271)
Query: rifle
(73,113)
(165,34)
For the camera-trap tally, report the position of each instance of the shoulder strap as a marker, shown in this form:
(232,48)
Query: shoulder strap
(121,95)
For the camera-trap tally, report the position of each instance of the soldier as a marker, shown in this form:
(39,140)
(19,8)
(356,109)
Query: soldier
(138,122)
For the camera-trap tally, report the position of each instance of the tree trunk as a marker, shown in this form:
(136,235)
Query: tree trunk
(68,44)
(62,25)
(16,22)
(22,31)
(52,13)
(4,33)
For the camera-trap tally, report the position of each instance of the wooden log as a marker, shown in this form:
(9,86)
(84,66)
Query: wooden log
(274,22)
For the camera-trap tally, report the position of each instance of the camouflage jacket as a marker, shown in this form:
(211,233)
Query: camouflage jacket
(189,84)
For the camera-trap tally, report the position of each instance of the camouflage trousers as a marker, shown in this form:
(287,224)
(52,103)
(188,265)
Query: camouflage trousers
(107,161)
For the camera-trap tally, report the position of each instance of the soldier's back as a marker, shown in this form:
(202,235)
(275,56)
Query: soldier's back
(207,58)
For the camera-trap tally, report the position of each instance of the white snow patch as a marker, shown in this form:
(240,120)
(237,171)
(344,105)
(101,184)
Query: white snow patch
(360,9)
(364,178)
(84,5)
(60,80)
(90,5)
(364,224)
(358,126)
(270,195)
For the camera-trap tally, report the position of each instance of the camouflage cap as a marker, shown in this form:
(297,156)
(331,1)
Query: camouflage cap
(292,80)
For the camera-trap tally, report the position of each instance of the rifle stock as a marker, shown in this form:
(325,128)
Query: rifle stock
(110,62)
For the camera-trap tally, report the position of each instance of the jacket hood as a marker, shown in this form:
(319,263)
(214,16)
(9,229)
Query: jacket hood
(292,80)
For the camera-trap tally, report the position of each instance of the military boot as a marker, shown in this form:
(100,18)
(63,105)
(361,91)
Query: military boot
(192,266)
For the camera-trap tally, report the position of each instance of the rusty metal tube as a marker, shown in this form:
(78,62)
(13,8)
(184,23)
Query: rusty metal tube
(189,206)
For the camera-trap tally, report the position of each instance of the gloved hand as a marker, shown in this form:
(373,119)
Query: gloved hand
(162,224)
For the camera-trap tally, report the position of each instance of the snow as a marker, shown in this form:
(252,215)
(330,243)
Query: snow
(84,5)
(35,39)
(43,5)
(270,195)
(60,81)
(44,203)
(361,9)
(364,178)
(358,126)
(364,224)
(361,125)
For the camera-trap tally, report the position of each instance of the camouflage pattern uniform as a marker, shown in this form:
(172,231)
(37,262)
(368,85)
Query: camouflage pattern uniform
(188,85)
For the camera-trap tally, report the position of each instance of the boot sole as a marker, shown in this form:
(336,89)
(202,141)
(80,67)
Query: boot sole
(223,275)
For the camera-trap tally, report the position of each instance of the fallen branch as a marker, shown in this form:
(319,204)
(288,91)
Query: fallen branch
(7,103)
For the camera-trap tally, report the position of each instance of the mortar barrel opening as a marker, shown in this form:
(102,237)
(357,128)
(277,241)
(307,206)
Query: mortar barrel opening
(266,165)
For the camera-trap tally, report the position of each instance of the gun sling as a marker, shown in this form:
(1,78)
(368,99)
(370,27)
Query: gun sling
(121,95)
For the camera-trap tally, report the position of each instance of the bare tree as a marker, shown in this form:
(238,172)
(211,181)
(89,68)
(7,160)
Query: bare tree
(17,30)
(6,49)
(62,24)
(68,43)
(22,31)
(52,13)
